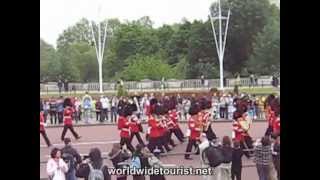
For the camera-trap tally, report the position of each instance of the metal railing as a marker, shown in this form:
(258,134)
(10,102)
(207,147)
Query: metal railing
(157,85)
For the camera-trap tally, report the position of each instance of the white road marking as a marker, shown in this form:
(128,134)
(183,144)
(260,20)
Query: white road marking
(84,143)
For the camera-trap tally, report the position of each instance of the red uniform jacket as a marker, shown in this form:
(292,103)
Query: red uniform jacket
(163,128)
(174,118)
(67,115)
(134,124)
(155,125)
(195,130)
(123,125)
(41,122)
(271,118)
(276,125)
(239,131)
(169,122)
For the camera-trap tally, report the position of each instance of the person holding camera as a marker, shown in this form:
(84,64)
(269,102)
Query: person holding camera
(56,167)
(92,167)
(118,157)
(71,156)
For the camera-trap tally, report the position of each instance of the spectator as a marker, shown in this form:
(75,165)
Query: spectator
(263,158)
(93,168)
(66,85)
(256,80)
(202,80)
(98,108)
(72,158)
(53,111)
(60,109)
(114,109)
(46,110)
(276,156)
(105,108)
(225,167)
(117,157)
(137,161)
(251,80)
(154,162)
(186,103)
(60,85)
(87,107)
(77,105)
(56,167)
(222,106)
(236,166)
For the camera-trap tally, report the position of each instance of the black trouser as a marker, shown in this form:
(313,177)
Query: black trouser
(153,143)
(44,135)
(127,142)
(247,144)
(65,128)
(276,162)
(164,142)
(178,133)
(53,116)
(113,114)
(104,115)
(209,133)
(137,134)
(191,143)
(98,115)
(268,131)
(222,112)
(168,135)
(236,174)
(60,117)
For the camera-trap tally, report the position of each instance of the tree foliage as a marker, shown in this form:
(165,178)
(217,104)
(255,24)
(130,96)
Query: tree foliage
(136,50)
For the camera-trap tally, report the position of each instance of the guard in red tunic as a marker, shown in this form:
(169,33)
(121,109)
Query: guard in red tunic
(241,127)
(205,116)
(155,132)
(124,127)
(195,127)
(275,106)
(68,118)
(42,129)
(270,116)
(173,116)
(135,127)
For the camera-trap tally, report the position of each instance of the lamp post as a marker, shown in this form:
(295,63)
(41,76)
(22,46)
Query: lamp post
(99,46)
(220,41)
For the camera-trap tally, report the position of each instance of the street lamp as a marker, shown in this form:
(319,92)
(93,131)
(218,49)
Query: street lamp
(220,41)
(99,46)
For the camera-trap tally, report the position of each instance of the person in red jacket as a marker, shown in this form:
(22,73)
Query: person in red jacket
(240,131)
(173,116)
(195,127)
(124,127)
(42,129)
(275,106)
(205,116)
(135,126)
(269,114)
(68,118)
(165,139)
(155,133)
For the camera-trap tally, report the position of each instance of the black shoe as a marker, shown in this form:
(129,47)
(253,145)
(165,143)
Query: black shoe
(188,158)
(79,137)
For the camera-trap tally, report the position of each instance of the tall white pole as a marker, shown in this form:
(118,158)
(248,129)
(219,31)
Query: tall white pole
(220,48)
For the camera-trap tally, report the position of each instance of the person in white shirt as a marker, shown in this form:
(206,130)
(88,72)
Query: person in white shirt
(56,167)
(105,103)
(77,105)
(114,109)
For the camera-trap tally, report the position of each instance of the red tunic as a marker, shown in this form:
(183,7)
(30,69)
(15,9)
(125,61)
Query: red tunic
(123,125)
(239,131)
(195,130)
(134,124)
(67,115)
(41,122)
(276,125)
(154,124)
(174,118)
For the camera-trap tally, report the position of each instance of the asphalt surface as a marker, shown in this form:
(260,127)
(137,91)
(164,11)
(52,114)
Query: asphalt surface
(103,136)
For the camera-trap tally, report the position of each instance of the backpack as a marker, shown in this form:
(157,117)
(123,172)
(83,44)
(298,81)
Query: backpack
(135,162)
(95,174)
(214,155)
(87,103)
(69,160)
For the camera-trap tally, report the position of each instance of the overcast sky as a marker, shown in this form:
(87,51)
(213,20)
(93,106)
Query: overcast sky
(57,15)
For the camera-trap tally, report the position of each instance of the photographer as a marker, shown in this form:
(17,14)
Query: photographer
(71,156)
(92,167)
(118,156)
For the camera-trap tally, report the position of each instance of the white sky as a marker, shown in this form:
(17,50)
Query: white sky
(57,15)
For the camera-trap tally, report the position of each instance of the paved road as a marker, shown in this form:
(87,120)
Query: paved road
(104,135)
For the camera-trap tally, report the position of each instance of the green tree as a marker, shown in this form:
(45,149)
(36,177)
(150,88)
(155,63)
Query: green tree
(265,59)
(49,64)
